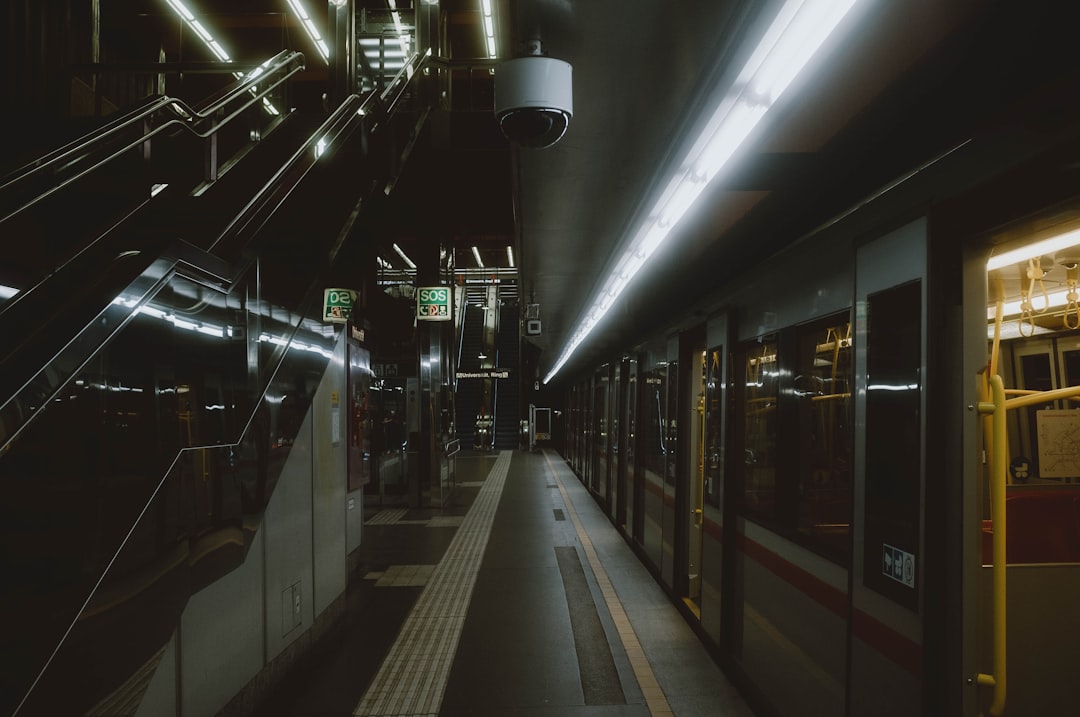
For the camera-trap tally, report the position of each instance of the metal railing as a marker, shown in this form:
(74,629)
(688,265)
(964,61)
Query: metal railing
(51,173)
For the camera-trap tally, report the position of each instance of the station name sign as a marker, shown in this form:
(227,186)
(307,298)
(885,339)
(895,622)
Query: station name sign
(485,373)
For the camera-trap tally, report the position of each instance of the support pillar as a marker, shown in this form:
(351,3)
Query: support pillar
(341,38)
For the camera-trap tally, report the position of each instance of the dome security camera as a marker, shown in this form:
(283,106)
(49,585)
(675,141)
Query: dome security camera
(533,100)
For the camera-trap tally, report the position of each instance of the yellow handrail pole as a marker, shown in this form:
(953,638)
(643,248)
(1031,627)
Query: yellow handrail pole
(997,507)
(1031,392)
(1038,397)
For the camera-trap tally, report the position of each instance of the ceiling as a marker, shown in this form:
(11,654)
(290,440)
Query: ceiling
(899,82)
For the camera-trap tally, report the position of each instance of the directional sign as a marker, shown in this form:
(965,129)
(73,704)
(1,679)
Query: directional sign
(433,303)
(338,304)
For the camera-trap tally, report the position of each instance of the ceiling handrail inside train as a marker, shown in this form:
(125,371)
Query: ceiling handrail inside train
(201,121)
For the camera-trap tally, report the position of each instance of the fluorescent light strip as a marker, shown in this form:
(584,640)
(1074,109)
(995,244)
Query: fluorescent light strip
(796,33)
(404,256)
(476,255)
(1039,248)
(309,27)
(510,256)
(403,38)
(6,292)
(219,52)
(489,27)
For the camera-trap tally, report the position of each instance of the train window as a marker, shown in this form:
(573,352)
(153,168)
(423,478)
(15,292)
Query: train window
(893,438)
(822,393)
(759,429)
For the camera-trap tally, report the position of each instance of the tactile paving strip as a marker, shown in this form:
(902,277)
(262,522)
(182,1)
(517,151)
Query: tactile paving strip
(412,678)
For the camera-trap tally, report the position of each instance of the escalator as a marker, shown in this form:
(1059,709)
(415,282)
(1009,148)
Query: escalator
(156,370)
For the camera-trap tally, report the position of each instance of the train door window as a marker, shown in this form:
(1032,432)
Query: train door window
(893,438)
(759,423)
(714,425)
(671,463)
(822,393)
(653,444)
(1034,371)
(1070,366)
(614,392)
(694,414)
(587,424)
(629,423)
(600,433)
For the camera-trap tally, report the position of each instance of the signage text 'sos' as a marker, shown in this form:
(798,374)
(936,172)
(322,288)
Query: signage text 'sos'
(433,303)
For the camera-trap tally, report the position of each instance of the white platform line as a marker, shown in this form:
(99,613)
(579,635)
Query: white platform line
(412,678)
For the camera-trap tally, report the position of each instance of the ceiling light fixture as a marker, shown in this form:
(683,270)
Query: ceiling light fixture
(1039,248)
(309,27)
(489,27)
(404,256)
(219,52)
(510,255)
(796,33)
(476,254)
(403,38)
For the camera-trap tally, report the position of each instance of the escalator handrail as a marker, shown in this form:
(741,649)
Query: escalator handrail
(201,122)
(253,216)
(353,110)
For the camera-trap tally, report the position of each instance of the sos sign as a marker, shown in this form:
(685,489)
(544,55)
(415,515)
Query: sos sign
(338,304)
(433,303)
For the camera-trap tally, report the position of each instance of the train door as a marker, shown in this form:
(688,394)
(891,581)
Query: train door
(602,387)
(671,523)
(712,541)
(623,450)
(615,391)
(1023,527)
(886,658)
(693,418)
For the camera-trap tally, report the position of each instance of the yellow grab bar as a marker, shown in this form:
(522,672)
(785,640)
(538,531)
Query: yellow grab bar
(996,407)
(1036,397)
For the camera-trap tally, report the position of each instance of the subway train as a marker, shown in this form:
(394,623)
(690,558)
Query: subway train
(855,465)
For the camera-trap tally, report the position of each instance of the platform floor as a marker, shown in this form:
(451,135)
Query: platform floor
(520,598)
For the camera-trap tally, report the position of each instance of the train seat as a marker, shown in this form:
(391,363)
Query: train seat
(1044,527)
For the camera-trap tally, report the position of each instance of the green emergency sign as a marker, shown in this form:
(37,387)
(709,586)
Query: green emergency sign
(433,303)
(338,304)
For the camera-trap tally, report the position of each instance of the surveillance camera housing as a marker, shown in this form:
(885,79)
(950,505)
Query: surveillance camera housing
(534,100)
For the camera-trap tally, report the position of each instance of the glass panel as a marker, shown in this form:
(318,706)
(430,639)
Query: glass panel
(671,453)
(629,426)
(760,419)
(600,448)
(653,444)
(893,442)
(823,374)
(714,427)
(1036,375)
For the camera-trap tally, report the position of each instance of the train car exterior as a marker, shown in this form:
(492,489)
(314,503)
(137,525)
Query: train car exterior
(857,468)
